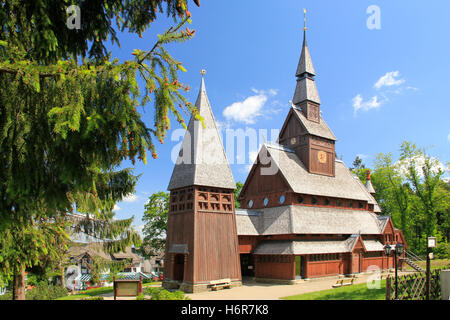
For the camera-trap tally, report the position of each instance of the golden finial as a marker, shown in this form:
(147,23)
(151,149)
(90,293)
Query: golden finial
(304,19)
(203,72)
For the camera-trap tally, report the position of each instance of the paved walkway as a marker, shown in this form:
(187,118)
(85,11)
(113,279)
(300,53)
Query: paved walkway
(264,291)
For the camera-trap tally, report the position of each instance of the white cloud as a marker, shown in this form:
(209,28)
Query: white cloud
(448,137)
(360,104)
(130,198)
(116,208)
(250,108)
(389,79)
(362,156)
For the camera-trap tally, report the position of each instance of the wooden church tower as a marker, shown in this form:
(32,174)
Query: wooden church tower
(304,130)
(202,242)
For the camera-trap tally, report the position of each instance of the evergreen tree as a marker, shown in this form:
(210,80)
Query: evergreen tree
(68,116)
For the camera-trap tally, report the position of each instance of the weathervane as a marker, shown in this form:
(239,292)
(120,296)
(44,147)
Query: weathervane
(203,72)
(304,19)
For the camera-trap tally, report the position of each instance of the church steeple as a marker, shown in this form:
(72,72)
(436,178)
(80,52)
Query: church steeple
(304,130)
(306,95)
(202,159)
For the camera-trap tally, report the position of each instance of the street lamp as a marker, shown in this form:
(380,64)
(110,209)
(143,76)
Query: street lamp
(397,251)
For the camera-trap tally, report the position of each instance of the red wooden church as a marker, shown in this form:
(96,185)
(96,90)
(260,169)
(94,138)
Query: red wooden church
(303,215)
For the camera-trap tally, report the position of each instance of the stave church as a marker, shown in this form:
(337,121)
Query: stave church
(303,214)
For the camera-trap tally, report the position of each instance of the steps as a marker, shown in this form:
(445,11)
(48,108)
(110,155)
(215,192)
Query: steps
(414,265)
(411,259)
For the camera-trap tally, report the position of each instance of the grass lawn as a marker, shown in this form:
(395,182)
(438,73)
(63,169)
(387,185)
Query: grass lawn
(152,284)
(353,292)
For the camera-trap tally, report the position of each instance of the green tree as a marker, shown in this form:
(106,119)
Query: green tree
(68,115)
(393,194)
(423,173)
(237,191)
(155,219)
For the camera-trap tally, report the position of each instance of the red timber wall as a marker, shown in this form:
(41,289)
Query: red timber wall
(278,267)
(216,247)
(275,267)
(204,219)
(180,228)
(324,268)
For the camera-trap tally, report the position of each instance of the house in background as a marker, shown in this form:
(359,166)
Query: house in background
(82,255)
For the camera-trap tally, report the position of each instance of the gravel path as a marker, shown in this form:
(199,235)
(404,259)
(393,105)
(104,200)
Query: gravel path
(263,291)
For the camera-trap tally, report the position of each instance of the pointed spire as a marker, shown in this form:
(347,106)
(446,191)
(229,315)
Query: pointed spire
(305,64)
(369,183)
(306,87)
(202,160)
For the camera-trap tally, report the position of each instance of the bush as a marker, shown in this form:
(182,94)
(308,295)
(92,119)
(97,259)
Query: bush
(93,298)
(140,297)
(44,291)
(442,251)
(163,294)
(6,296)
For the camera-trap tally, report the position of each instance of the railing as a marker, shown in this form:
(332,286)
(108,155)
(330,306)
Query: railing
(413,286)
(412,256)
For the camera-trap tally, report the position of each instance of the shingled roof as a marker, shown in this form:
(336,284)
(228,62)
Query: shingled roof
(342,185)
(306,87)
(308,220)
(319,129)
(313,246)
(202,160)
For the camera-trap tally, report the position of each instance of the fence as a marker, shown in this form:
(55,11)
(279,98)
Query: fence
(413,286)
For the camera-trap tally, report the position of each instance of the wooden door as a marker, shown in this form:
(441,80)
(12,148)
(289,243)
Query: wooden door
(178,267)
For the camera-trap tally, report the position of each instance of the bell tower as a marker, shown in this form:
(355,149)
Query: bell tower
(202,242)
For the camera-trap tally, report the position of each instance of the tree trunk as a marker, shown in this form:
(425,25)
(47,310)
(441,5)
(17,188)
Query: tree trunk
(63,280)
(19,285)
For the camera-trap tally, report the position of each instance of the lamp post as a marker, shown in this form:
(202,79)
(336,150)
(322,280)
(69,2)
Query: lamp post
(397,251)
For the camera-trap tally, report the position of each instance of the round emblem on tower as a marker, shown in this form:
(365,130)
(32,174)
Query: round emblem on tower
(322,157)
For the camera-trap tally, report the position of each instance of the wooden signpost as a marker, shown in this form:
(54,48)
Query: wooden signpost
(127,287)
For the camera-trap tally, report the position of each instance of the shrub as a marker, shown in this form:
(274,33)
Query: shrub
(93,298)
(140,297)
(6,296)
(163,294)
(44,291)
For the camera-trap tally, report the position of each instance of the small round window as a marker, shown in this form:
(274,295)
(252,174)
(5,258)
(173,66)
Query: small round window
(314,200)
(339,203)
(327,201)
(282,199)
(266,202)
(250,203)
(300,199)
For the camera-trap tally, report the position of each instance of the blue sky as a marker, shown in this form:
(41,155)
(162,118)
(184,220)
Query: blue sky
(378,87)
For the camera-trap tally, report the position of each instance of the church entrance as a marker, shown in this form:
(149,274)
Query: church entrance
(178,267)
(298,267)
(247,265)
